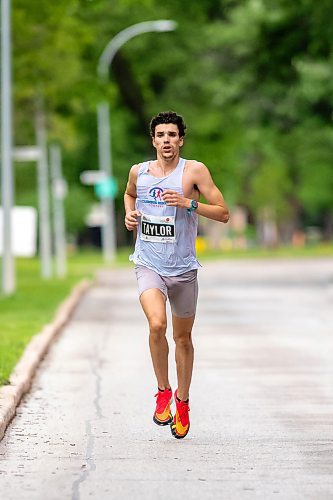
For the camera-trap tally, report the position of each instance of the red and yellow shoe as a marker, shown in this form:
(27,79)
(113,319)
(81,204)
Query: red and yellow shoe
(163,415)
(181,421)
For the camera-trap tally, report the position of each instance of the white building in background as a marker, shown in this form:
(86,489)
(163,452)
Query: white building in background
(24,227)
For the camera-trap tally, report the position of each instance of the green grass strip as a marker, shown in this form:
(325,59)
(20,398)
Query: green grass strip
(34,303)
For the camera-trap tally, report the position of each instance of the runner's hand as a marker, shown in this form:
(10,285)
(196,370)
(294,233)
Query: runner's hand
(174,199)
(131,219)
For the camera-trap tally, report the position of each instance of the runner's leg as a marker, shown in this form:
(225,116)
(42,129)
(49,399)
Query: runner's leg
(153,304)
(182,334)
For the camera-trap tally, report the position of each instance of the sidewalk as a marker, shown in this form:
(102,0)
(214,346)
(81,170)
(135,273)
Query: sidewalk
(261,397)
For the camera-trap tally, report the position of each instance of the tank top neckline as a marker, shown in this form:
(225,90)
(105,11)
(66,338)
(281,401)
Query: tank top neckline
(166,176)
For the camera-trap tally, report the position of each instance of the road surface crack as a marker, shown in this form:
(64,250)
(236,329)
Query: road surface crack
(90,465)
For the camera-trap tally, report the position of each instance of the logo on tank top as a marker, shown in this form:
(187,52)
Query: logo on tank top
(156,193)
(154,197)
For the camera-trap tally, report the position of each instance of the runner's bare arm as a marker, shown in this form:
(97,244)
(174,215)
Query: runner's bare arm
(131,217)
(215,209)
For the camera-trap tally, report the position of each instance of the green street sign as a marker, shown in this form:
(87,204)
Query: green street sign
(107,188)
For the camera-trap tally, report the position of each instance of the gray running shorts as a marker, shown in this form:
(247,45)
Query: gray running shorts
(182,290)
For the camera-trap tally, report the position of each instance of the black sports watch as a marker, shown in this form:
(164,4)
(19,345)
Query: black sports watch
(193,206)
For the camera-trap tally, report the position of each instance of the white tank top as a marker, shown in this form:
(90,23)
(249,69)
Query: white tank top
(166,235)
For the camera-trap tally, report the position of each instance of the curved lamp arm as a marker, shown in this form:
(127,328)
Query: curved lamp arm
(123,36)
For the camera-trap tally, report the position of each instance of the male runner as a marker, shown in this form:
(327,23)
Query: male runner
(162,204)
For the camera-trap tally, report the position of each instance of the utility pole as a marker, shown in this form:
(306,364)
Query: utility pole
(43,197)
(109,243)
(59,189)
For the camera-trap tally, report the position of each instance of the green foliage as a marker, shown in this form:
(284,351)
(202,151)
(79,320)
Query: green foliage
(77,205)
(252,78)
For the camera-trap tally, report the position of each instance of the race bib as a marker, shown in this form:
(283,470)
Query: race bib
(158,229)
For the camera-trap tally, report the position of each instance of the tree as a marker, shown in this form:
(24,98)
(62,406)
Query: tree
(252,78)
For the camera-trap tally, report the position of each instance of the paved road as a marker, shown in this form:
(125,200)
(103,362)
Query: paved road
(261,407)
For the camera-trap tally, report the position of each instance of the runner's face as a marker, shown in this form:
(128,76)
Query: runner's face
(167,141)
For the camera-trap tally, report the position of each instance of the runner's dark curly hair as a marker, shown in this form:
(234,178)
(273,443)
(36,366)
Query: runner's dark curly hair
(167,117)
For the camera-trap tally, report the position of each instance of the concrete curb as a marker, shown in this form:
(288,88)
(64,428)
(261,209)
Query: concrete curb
(24,371)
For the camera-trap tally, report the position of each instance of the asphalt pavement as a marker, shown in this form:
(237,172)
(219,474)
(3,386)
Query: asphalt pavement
(261,397)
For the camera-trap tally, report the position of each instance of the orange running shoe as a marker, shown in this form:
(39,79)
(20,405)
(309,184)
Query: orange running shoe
(163,415)
(181,422)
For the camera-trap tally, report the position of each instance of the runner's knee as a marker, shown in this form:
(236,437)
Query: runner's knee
(183,339)
(157,327)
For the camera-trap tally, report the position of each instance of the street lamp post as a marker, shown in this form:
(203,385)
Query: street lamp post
(104,122)
(7,181)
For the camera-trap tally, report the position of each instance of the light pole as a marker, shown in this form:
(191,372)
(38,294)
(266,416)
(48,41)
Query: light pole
(59,189)
(7,182)
(104,123)
(43,197)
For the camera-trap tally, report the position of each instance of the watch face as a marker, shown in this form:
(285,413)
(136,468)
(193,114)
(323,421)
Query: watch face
(194,204)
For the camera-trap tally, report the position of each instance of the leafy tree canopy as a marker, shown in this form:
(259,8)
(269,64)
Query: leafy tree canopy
(252,79)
